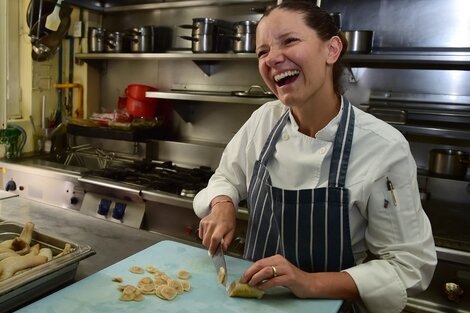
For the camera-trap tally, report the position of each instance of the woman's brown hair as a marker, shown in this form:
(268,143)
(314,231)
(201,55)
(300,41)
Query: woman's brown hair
(324,24)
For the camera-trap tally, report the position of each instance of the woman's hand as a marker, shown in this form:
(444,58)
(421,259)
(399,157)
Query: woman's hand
(219,224)
(277,271)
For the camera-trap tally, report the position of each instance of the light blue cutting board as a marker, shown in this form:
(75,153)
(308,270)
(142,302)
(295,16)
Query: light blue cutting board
(97,293)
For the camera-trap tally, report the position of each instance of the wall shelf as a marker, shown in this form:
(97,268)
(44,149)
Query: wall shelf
(166,56)
(119,6)
(375,59)
(220,97)
(434,59)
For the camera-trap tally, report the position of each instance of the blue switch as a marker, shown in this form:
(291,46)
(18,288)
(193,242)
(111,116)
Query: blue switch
(118,211)
(103,207)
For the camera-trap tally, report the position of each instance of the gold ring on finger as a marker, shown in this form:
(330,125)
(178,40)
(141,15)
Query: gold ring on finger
(274,270)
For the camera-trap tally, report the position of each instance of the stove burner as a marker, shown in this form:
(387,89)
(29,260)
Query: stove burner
(190,193)
(163,176)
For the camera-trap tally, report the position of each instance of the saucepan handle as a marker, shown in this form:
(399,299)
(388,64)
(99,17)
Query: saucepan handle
(186,26)
(189,38)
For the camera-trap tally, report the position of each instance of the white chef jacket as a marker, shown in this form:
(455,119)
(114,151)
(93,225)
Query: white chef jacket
(398,234)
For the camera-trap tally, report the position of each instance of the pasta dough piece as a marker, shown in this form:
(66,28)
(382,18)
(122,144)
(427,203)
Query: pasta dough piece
(151,269)
(168,293)
(221,275)
(182,274)
(237,289)
(136,270)
(186,285)
(131,293)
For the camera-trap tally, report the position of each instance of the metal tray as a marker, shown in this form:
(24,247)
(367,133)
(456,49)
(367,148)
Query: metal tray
(41,279)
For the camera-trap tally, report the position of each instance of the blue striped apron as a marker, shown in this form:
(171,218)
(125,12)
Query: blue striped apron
(309,227)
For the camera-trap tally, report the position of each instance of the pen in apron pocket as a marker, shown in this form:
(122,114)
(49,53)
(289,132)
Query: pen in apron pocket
(392,191)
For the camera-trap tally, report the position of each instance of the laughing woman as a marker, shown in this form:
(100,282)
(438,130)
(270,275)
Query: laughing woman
(334,208)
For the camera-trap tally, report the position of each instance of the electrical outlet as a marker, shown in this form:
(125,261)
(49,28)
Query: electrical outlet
(77,29)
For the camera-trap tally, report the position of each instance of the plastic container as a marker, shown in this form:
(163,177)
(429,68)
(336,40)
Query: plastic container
(137,91)
(139,108)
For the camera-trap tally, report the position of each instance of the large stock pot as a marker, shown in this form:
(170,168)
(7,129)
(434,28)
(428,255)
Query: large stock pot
(448,163)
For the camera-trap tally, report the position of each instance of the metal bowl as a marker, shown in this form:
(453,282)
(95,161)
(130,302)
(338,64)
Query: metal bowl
(359,41)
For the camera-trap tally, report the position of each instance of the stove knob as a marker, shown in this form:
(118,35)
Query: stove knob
(10,186)
(74,200)
(103,207)
(118,211)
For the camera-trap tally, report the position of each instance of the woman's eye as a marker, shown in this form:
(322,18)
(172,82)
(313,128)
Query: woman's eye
(291,40)
(260,53)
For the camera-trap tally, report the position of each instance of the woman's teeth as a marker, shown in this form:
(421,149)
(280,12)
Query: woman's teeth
(281,79)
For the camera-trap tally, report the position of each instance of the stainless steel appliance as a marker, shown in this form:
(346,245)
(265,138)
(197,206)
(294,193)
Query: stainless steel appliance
(431,123)
(148,194)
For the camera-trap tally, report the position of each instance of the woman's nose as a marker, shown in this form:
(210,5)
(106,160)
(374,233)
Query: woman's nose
(275,56)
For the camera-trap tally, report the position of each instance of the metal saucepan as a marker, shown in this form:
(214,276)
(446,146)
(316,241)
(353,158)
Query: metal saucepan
(244,37)
(96,39)
(115,42)
(448,163)
(142,39)
(202,34)
(201,43)
(359,41)
(202,25)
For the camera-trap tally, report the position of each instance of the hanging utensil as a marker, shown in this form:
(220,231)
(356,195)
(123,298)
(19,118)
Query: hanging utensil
(45,43)
(53,19)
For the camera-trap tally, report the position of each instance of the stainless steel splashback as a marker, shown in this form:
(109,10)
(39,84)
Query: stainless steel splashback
(407,24)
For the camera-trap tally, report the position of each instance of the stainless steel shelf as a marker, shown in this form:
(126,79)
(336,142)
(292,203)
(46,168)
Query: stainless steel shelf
(411,59)
(433,131)
(373,59)
(166,56)
(173,95)
(111,6)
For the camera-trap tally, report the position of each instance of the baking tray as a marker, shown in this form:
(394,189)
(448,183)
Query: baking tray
(139,135)
(41,279)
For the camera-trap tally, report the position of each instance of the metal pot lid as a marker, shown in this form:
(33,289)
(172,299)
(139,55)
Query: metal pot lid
(254,91)
(245,26)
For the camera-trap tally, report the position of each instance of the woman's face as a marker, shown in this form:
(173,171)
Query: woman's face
(293,61)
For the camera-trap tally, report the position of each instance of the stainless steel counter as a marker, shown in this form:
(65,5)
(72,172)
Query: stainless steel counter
(110,241)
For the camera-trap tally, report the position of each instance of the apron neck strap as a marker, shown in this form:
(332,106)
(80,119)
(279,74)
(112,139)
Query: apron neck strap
(342,147)
(273,137)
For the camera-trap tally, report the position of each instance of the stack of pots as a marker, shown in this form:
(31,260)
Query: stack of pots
(142,39)
(137,104)
(202,34)
(114,42)
(244,37)
(208,35)
(96,39)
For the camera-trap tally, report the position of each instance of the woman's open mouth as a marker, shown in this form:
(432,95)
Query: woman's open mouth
(286,77)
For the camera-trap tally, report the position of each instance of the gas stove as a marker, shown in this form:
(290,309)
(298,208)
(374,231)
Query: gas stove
(155,176)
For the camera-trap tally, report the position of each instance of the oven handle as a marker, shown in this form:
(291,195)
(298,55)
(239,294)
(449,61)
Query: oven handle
(108,185)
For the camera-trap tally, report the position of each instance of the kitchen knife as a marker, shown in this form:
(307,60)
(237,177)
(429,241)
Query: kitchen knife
(220,266)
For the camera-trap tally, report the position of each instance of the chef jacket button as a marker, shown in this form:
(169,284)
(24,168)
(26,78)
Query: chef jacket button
(285,136)
(322,150)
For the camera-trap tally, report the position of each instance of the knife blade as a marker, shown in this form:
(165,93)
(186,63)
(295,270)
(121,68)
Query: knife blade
(220,266)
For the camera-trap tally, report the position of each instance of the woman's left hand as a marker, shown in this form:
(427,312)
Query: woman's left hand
(277,271)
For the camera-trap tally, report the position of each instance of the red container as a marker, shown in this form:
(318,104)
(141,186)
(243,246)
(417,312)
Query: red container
(138,108)
(137,91)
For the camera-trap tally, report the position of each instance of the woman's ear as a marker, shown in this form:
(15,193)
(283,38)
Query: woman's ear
(335,46)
